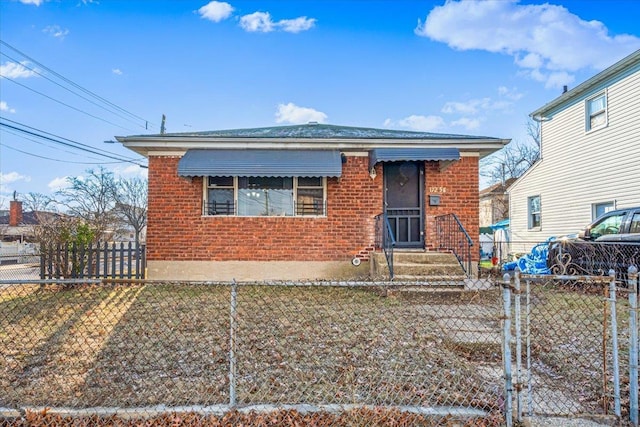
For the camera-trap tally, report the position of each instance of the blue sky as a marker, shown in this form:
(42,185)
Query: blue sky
(471,67)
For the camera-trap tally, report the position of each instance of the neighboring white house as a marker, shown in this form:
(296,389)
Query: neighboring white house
(590,157)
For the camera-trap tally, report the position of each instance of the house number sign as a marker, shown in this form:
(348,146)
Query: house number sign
(437,189)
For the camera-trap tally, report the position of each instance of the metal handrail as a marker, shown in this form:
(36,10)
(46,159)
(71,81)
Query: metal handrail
(451,235)
(385,239)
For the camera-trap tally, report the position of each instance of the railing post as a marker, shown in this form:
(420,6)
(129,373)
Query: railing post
(232,343)
(506,349)
(633,282)
(614,342)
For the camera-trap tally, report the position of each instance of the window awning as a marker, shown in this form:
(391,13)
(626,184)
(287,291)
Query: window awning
(412,154)
(283,163)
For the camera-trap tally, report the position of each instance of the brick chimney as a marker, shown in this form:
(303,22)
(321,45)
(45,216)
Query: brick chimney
(15,213)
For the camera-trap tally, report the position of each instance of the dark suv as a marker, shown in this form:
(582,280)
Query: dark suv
(611,242)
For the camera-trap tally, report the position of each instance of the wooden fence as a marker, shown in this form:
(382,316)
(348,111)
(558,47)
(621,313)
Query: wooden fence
(99,261)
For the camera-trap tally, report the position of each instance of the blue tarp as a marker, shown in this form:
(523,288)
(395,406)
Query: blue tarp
(535,262)
(500,224)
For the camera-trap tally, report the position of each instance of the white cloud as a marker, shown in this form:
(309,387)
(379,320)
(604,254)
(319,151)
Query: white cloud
(216,11)
(296,25)
(417,123)
(467,123)
(291,113)
(13,70)
(34,2)
(5,108)
(117,71)
(56,31)
(130,171)
(261,22)
(511,94)
(58,183)
(8,178)
(257,22)
(543,39)
(474,106)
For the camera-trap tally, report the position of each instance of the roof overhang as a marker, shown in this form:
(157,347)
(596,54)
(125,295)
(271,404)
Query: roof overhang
(160,145)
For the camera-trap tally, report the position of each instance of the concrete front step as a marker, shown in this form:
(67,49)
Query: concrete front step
(422,269)
(424,257)
(419,266)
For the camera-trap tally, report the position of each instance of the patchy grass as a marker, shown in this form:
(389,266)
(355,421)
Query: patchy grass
(169,344)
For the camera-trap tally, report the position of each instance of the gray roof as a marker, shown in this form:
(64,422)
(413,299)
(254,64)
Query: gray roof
(316,131)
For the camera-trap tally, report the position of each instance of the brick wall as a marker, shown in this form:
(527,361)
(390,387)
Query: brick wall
(177,230)
(457,186)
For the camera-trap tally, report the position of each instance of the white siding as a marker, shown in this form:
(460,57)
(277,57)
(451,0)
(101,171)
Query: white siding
(580,168)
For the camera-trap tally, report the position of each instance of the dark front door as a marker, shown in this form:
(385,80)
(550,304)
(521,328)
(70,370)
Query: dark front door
(403,189)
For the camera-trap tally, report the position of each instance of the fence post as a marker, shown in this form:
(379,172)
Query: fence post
(633,344)
(506,349)
(232,343)
(614,342)
(528,333)
(517,320)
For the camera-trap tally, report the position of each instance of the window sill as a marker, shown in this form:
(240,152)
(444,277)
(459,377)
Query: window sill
(535,229)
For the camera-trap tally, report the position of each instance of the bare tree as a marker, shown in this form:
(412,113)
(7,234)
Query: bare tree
(92,198)
(131,203)
(514,159)
(38,202)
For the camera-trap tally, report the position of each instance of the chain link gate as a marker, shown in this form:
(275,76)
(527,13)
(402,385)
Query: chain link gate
(571,347)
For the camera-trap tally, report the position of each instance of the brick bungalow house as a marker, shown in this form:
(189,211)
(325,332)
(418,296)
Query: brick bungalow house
(301,202)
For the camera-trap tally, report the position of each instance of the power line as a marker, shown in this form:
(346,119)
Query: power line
(66,105)
(60,140)
(35,70)
(55,160)
(44,144)
(75,85)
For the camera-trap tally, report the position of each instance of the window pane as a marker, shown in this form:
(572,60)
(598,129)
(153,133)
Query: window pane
(609,225)
(261,182)
(220,202)
(601,209)
(635,223)
(597,104)
(535,220)
(310,201)
(597,120)
(314,181)
(265,196)
(220,181)
(534,212)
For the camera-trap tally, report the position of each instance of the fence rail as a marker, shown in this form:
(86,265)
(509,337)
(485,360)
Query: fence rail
(324,353)
(103,260)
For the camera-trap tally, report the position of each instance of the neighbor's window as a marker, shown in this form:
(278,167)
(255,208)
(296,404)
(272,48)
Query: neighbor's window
(600,209)
(265,196)
(596,116)
(535,214)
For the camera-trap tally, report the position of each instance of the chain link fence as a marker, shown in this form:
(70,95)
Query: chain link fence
(323,353)
(574,347)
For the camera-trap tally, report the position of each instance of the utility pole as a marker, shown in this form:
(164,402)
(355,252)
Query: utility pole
(164,119)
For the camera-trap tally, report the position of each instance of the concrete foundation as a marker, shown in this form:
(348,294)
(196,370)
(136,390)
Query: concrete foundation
(244,271)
